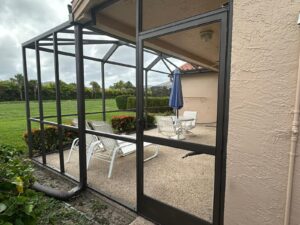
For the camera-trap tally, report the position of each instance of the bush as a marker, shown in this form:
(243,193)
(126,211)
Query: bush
(12,164)
(154,104)
(50,140)
(131,103)
(121,101)
(150,121)
(18,204)
(123,123)
(127,124)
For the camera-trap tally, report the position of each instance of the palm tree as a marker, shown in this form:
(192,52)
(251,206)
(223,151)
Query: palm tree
(19,81)
(95,88)
(33,85)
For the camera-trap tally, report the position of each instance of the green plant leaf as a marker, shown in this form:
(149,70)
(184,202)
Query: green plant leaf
(18,221)
(6,186)
(28,209)
(6,223)
(2,207)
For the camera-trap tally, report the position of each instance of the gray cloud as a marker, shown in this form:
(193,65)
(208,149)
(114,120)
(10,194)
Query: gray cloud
(8,57)
(21,20)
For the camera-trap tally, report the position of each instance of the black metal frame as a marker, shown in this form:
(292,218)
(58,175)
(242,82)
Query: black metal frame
(145,205)
(50,38)
(58,103)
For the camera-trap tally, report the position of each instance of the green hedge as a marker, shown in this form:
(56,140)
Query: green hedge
(131,103)
(154,104)
(112,93)
(121,101)
(51,139)
(11,92)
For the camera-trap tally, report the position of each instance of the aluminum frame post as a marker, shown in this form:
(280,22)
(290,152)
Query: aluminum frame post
(40,100)
(58,104)
(139,107)
(103,92)
(146,99)
(27,102)
(80,104)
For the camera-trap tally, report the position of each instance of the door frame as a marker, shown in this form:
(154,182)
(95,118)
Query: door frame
(147,206)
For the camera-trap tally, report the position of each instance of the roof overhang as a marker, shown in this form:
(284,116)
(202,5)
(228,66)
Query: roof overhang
(117,17)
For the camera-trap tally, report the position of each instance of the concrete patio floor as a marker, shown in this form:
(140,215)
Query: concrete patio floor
(202,134)
(183,183)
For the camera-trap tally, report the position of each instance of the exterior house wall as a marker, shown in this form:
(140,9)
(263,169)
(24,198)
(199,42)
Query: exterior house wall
(200,94)
(265,50)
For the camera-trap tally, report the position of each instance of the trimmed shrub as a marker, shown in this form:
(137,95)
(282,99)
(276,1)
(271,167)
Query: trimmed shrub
(150,121)
(51,139)
(112,93)
(154,104)
(127,124)
(121,101)
(123,123)
(131,102)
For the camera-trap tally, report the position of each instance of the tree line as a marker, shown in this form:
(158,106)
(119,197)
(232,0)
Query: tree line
(13,89)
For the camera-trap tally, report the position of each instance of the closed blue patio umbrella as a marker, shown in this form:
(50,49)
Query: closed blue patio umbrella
(176,98)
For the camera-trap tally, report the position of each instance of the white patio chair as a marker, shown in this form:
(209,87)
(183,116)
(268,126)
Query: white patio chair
(167,127)
(189,125)
(89,138)
(112,147)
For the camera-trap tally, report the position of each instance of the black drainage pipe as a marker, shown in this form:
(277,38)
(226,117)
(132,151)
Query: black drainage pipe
(55,193)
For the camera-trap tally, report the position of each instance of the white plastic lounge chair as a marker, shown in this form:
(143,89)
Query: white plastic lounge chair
(189,125)
(89,140)
(112,147)
(167,127)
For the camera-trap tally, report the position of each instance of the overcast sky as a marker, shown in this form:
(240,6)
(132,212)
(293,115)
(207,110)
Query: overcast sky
(20,20)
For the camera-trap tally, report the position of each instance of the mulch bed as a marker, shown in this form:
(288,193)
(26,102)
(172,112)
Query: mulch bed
(87,206)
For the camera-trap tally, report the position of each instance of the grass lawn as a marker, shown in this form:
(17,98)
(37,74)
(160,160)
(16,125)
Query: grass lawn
(13,116)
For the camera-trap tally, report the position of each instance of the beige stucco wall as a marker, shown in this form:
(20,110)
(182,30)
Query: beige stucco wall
(200,94)
(265,49)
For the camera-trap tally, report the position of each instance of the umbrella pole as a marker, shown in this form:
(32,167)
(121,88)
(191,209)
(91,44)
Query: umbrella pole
(176,123)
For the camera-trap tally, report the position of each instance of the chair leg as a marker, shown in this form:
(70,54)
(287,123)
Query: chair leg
(72,149)
(154,155)
(89,155)
(112,163)
(90,152)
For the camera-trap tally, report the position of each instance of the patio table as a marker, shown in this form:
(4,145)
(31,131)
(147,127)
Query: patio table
(182,118)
